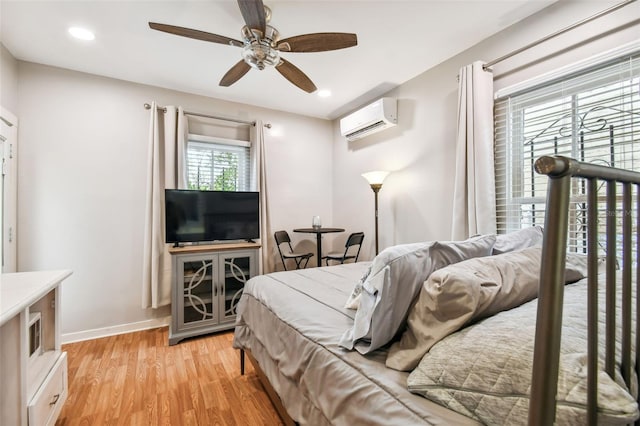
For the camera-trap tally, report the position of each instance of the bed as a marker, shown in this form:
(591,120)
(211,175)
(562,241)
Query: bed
(449,332)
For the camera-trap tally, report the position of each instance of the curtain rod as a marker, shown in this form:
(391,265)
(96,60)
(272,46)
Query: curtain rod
(215,117)
(557,33)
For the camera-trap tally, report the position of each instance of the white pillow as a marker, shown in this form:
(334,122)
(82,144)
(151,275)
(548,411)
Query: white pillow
(468,291)
(517,240)
(393,283)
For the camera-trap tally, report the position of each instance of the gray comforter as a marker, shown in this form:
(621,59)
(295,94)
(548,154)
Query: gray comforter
(292,323)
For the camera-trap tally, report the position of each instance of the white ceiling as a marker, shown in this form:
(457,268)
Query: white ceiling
(397,40)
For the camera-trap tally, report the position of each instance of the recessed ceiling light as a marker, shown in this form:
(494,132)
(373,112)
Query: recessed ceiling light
(324,93)
(81,33)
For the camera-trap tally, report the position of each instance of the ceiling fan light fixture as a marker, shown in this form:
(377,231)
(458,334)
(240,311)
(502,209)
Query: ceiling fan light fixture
(260,56)
(258,49)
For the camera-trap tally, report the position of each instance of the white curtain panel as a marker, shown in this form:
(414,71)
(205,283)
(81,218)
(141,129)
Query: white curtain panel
(259,182)
(165,169)
(474,197)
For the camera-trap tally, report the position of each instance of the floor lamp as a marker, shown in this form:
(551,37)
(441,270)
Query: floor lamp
(375,179)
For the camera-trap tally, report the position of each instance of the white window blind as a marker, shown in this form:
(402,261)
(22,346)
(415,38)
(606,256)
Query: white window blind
(218,164)
(592,116)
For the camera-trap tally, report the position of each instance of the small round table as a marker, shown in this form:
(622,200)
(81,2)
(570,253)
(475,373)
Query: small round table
(318,231)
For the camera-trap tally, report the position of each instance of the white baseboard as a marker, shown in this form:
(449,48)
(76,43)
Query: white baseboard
(112,331)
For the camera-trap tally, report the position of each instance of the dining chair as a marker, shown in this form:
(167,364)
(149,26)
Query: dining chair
(355,239)
(282,237)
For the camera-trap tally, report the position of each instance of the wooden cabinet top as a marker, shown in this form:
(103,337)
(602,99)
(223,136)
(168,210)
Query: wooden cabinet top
(200,248)
(21,289)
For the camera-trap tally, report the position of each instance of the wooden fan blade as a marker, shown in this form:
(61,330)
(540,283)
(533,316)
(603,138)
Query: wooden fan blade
(196,34)
(235,73)
(295,76)
(318,42)
(253,14)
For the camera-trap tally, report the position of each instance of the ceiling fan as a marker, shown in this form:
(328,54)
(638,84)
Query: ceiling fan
(261,45)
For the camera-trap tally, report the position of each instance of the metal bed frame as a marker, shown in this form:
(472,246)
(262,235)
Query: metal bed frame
(560,171)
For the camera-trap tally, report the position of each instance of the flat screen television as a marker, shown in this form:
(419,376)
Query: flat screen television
(208,216)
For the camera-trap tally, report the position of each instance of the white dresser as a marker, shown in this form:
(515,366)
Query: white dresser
(33,368)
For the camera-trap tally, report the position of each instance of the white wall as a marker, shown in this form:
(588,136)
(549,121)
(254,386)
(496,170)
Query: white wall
(8,80)
(416,199)
(82,183)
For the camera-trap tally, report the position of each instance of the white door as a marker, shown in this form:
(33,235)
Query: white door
(9,190)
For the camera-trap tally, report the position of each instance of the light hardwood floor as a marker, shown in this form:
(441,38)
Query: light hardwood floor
(137,379)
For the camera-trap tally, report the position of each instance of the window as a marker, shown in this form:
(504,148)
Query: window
(217,164)
(593,116)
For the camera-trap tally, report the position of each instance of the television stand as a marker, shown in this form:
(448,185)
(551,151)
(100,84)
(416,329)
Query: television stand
(207,282)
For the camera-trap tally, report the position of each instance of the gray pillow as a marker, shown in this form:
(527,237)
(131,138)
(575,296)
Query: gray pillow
(517,240)
(484,371)
(468,291)
(394,281)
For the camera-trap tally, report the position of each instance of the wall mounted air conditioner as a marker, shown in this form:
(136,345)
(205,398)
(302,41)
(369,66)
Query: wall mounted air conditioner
(376,116)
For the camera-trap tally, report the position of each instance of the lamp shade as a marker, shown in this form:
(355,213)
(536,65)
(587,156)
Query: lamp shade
(376,177)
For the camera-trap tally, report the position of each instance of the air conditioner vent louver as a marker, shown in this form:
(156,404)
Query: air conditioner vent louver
(366,130)
(370,119)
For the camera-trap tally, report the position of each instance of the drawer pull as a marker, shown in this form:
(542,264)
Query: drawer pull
(56,397)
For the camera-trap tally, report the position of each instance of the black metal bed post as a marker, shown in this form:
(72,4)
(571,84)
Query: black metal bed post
(592,302)
(610,295)
(542,406)
(626,284)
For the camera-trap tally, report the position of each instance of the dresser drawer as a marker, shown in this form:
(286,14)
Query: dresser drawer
(46,404)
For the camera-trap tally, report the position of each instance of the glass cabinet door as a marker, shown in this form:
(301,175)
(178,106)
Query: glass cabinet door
(237,268)
(198,301)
